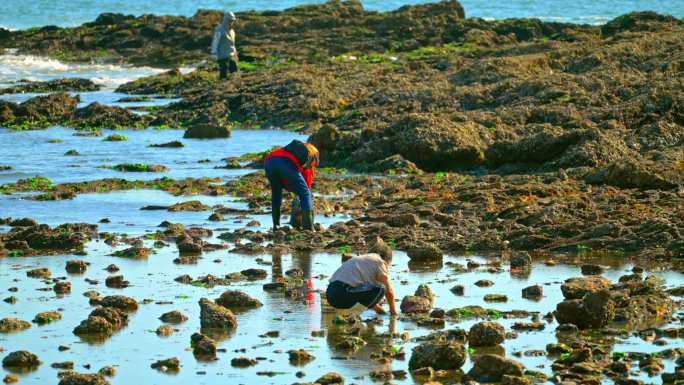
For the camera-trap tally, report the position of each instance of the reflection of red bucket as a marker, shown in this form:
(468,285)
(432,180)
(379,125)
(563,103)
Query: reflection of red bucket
(309,291)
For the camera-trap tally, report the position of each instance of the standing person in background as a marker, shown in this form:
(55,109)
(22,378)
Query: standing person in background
(223,46)
(292,168)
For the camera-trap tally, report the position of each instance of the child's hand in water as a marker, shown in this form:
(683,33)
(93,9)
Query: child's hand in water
(378,309)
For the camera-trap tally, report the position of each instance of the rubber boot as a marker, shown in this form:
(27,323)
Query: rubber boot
(308,220)
(296,215)
(276,219)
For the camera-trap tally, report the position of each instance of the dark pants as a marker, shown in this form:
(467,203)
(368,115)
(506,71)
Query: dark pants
(342,296)
(279,169)
(226,65)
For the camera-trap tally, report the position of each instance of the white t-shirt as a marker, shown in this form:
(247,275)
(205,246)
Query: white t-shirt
(361,270)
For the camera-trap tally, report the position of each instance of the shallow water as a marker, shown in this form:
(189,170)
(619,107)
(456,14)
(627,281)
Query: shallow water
(30,153)
(136,346)
(35,68)
(37,13)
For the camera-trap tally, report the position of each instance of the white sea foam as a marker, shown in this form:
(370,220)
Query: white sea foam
(16,67)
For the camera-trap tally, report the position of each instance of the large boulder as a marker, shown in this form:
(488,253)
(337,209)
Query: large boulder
(435,143)
(491,368)
(214,316)
(439,355)
(486,334)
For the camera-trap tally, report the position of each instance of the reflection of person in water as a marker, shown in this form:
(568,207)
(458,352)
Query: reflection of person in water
(304,261)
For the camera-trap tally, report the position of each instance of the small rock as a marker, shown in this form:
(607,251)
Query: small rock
(414,304)
(330,379)
(458,290)
(216,316)
(235,299)
(66,365)
(116,282)
(533,292)
(42,273)
(76,267)
(521,261)
(486,334)
(274,286)
(589,269)
(403,220)
(107,371)
(491,368)
(73,378)
(120,302)
(495,298)
(21,359)
(300,357)
(165,330)
(437,355)
(47,317)
(62,287)
(514,380)
(242,362)
(424,253)
(173,317)
(170,364)
(577,288)
(203,346)
(9,325)
(254,274)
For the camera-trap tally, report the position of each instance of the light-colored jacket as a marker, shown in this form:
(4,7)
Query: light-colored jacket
(223,43)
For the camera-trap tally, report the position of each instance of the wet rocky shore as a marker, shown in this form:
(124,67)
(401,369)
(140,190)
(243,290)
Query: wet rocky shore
(480,151)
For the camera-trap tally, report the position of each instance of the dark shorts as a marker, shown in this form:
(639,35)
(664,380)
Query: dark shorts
(342,296)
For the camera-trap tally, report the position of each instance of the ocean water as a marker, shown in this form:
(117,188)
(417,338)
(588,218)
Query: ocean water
(21,14)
